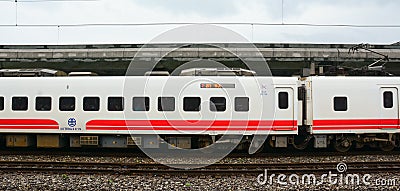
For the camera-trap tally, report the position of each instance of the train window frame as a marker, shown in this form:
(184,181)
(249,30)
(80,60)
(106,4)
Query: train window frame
(62,98)
(146,102)
(118,99)
(192,108)
(215,107)
(2,103)
(26,105)
(337,100)
(283,102)
(387,104)
(48,104)
(87,107)
(160,106)
(240,107)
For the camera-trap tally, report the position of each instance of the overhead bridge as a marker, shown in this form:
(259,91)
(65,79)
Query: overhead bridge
(278,53)
(113,59)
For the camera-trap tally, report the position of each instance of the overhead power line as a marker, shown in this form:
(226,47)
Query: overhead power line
(38,1)
(180,23)
(211,23)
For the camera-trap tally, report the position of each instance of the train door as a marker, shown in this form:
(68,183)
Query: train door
(284,110)
(389,113)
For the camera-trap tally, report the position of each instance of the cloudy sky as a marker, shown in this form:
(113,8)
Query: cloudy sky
(319,12)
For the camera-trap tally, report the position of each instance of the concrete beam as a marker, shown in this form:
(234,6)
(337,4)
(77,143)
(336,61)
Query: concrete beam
(127,53)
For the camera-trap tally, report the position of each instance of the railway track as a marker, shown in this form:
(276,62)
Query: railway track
(215,169)
(138,153)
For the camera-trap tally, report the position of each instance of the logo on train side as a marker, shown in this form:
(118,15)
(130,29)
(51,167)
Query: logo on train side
(263,90)
(71,122)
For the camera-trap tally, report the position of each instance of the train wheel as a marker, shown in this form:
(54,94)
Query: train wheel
(386,145)
(342,144)
(301,142)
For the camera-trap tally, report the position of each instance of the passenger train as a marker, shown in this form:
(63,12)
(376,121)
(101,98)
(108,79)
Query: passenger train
(194,111)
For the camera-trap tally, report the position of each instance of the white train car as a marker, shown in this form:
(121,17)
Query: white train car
(105,111)
(351,110)
(194,111)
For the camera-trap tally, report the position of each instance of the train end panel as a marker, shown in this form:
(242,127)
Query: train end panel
(356,111)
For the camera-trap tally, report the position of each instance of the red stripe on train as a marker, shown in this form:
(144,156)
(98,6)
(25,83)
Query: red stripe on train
(28,122)
(28,127)
(355,124)
(199,125)
(354,128)
(188,129)
(332,122)
(190,123)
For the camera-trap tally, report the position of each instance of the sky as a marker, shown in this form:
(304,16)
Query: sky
(319,12)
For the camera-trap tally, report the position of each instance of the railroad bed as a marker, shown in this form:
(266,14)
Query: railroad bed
(30,175)
(70,172)
(214,169)
(93,157)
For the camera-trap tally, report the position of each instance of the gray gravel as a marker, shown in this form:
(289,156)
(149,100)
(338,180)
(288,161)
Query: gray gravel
(247,160)
(45,181)
(28,181)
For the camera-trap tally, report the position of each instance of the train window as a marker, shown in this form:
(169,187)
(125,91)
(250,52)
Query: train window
(217,104)
(388,99)
(241,104)
(43,103)
(166,104)
(340,103)
(1,103)
(191,103)
(20,103)
(141,103)
(91,104)
(115,104)
(283,100)
(67,104)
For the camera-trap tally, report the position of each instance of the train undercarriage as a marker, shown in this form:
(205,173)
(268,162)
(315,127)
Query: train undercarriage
(338,142)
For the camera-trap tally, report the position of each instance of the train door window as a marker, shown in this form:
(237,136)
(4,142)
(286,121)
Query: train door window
(140,103)
(20,103)
(91,103)
(166,104)
(1,103)
(388,99)
(67,104)
(43,103)
(217,104)
(115,104)
(191,103)
(241,104)
(340,103)
(283,100)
